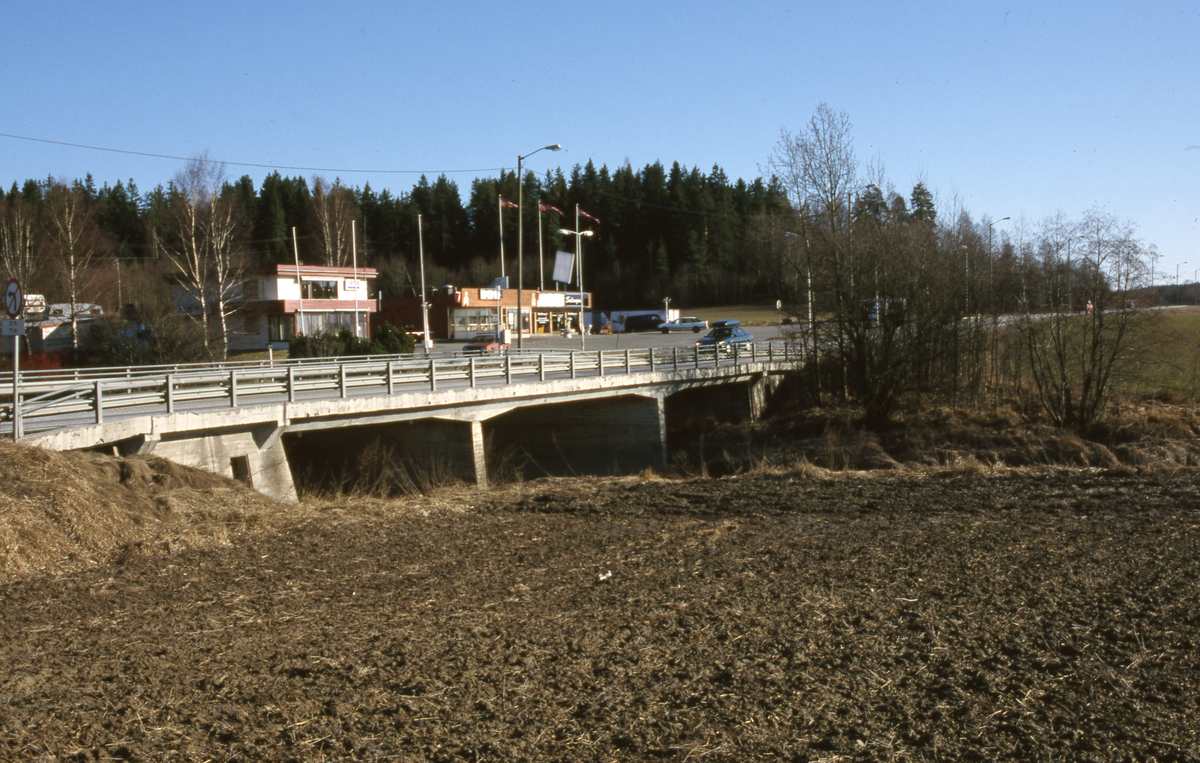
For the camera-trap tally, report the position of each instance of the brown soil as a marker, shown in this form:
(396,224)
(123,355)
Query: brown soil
(975,612)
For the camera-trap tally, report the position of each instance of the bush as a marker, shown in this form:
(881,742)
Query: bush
(388,340)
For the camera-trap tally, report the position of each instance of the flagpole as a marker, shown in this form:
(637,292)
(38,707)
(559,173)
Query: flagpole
(500,217)
(541,269)
(354,261)
(579,263)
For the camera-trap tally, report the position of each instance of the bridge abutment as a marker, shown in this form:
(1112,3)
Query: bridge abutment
(254,457)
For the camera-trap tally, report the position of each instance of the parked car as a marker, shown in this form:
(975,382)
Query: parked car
(694,325)
(647,322)
(724,335)
(484,344)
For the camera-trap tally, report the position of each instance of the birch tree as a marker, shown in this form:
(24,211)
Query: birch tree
(75,244)
(17,229)
(202,222)
(333,209)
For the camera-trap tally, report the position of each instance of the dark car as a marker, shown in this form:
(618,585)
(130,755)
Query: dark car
(484,344)
(724,335)
(647,322)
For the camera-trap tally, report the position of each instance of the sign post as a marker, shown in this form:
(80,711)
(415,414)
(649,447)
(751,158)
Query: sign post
(14,305)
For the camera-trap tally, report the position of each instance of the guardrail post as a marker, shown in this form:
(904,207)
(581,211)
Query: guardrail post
(170,393)
(541,366)
(600,362)
(342,380)
(233,389)
(627,359)
(391,383)
(291,384)
(471,373)
(99,403)
(432,376)
(572,356)
(651,360)
(675,357)
(508,368)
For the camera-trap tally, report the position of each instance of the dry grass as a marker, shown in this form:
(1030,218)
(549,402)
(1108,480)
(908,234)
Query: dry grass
(67,511)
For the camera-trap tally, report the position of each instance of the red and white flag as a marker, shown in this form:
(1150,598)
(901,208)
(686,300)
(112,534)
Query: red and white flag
(506,203)
(548,208)
(585,214)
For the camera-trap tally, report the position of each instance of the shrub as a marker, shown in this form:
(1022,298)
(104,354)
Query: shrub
(388,340)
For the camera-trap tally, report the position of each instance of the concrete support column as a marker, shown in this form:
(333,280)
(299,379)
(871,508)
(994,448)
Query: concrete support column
(478,454)
(761,391)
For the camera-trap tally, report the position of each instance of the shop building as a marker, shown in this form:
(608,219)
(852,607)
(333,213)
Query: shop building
(460,313)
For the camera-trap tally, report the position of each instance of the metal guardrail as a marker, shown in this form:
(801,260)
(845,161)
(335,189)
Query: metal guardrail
(63,399)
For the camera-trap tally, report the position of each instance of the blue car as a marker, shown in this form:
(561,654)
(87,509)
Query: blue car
(724,335)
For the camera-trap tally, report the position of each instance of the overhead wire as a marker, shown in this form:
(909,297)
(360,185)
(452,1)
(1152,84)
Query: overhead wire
(244,164)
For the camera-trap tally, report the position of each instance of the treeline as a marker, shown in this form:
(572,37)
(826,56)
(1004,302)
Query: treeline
(698,238)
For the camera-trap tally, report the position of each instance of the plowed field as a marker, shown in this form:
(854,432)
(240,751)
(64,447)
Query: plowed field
(1051,615)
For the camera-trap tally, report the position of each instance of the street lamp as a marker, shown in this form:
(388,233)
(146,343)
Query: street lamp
(579,264)
(992,267)
(521,239)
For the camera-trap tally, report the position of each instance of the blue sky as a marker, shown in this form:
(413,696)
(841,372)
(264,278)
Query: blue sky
(1002,109)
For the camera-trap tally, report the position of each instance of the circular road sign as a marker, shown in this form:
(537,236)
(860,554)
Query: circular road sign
(14,300)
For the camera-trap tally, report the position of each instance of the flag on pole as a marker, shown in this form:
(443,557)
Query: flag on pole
(590,217)
(506,203)
(543,207)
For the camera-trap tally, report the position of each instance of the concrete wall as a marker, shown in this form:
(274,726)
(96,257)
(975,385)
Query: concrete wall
(256,458)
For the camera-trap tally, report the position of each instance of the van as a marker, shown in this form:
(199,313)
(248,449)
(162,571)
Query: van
(646,322)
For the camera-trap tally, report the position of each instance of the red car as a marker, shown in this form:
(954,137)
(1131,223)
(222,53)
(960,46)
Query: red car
(484,344)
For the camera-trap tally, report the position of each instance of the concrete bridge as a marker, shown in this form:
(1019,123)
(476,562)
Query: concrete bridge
(568,412)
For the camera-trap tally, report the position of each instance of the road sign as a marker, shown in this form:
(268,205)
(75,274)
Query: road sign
(13,327)
(14,300)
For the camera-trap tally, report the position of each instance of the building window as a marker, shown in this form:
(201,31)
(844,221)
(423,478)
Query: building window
(319,290)
(313,323)
(279,328)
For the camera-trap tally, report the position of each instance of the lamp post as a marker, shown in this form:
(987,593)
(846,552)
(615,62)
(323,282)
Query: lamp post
(995,315)
(578,234)
(992,267)
(521,239)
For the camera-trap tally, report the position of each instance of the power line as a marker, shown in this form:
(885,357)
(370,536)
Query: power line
(245,164)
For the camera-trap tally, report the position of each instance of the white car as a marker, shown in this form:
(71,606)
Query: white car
(694,325)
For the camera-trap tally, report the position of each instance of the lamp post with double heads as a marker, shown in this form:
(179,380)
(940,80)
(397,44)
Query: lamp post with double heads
(578,234)
(521,239)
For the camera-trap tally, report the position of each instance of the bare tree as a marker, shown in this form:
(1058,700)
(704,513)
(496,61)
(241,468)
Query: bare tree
(17,229)
(76,242)
(819,172)
(334,207)
(1092,268)
(202,222)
